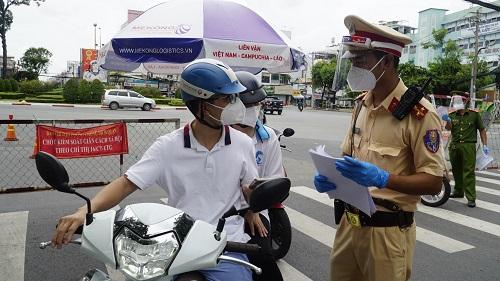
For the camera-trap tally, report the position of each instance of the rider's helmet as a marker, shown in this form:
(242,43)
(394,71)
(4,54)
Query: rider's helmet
(254,92)
(204,79)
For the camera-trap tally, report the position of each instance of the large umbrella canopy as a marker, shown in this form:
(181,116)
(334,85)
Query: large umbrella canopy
(169,35)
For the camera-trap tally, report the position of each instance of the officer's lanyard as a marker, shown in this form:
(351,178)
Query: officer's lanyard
(359,105)
(187,139)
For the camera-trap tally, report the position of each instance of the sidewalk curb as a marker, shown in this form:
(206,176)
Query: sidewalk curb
(20,103)
(64,105)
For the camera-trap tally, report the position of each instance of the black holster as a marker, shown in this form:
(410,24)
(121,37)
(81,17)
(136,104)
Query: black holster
(339,208)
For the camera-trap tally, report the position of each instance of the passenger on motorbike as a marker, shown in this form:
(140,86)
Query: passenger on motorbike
(269,164)
(205,167)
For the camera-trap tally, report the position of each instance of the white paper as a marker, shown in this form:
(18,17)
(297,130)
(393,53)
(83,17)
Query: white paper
(483,160)
(347,190)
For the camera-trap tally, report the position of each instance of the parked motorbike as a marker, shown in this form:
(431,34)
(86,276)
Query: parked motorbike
(281,229)
(443,196)
(149,241)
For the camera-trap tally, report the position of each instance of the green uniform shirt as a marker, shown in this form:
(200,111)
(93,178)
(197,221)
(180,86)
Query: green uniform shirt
(464,127)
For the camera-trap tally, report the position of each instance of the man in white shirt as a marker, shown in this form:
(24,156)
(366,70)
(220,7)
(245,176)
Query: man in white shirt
(204,167)
(270,165)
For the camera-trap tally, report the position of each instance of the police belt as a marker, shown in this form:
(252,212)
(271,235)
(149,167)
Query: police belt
(397,217)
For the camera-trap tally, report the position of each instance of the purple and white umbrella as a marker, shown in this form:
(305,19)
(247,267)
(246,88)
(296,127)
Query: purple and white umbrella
(169,35)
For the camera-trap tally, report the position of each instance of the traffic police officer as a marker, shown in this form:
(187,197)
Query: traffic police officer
(397,160)
(464,124)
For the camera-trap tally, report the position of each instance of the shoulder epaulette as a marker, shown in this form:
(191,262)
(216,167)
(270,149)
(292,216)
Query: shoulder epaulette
(419,111)
(474,110)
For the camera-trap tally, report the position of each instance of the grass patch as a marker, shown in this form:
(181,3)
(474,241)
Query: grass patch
(12,96)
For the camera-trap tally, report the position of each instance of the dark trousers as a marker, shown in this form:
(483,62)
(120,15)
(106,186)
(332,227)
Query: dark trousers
(463,165)
(264,260)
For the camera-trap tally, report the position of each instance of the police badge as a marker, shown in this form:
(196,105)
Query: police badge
(432,140)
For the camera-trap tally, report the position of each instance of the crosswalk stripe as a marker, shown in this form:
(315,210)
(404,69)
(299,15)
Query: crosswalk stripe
(311,227)
(488,180)
(425,236)
(483,189)
(481,204)
(12,245)
(464,220)
(290,273)
(489,173)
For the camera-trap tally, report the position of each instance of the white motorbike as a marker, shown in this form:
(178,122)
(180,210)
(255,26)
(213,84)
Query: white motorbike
(151,241)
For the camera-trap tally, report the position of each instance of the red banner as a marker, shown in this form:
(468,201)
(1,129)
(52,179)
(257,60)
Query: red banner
(80,143)
(88,55)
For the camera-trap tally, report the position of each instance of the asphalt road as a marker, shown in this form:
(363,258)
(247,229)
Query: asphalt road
(453,242)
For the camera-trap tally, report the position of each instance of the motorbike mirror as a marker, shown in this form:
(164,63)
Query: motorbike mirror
(268,193)
(288,132)
(53,172)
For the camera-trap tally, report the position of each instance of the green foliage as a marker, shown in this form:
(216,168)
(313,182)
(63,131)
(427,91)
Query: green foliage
(96,90)
(33,87)
(414,75)
(76,91)
(35,60)
(178,94)
(2,85)
(322,73)
(6,86)
(438,36)
(12,96)
(44,100)
(14,85)
(70,91)
(84,90)
(23,75)
(176,102)
(162,101)
(149,92)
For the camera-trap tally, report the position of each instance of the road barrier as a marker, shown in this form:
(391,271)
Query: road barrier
(18,170)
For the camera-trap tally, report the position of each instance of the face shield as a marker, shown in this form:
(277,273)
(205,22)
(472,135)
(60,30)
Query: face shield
(351,66)
(457,102)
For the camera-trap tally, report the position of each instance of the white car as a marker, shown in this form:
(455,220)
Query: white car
(121,98)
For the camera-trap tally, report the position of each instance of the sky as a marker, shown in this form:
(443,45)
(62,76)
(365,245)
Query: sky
(65,26)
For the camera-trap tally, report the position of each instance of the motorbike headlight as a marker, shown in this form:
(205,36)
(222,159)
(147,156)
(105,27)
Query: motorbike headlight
(144,259)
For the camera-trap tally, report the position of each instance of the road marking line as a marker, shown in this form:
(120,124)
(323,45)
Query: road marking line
(425,236)
(464,220)
(13,245)
(488,180)
(489,173)
(311,227)
(483,189)
(290,273)
(481,204)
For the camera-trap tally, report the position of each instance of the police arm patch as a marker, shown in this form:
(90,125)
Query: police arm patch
(432,140)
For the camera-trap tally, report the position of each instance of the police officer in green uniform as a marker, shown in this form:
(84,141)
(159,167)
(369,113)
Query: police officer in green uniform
(464,124)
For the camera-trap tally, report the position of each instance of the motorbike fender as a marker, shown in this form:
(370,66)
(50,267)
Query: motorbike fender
(200,249)
(97,237)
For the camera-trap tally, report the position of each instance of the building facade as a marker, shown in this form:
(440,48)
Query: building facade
(461,27)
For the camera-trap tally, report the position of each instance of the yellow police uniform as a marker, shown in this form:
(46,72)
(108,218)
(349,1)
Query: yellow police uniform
(405,147)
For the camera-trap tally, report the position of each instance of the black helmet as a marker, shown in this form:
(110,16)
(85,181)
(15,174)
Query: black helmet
(254,92)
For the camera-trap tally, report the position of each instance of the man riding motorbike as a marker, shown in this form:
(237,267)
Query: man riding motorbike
(269,164)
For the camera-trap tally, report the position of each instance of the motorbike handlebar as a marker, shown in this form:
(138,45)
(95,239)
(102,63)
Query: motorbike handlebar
(78,231)
(242,247)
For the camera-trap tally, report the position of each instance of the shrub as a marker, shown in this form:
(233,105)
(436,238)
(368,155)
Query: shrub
(176,102)
(84,92)
(6,86)
(12,96)
(148,92)
(96,91)
(2,85)
(32,87)
(178,94)
(70,91)
(162,101)
(14,85)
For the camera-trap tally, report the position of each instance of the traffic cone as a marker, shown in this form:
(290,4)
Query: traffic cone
(11,131)
(35,149)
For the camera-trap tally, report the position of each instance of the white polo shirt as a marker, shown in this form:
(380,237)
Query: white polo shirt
(268,156)
(204,184)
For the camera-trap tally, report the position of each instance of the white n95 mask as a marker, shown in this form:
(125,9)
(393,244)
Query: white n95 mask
(360,79)
(233,113)
(251,116)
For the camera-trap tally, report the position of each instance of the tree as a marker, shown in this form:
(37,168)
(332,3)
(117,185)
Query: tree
(438,36)
(70,91)
(96,90)
(322,75)
(36,60)
(6,19)
(415,76)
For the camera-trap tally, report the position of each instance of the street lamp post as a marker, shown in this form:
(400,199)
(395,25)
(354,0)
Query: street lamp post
(95,38)
(100,37)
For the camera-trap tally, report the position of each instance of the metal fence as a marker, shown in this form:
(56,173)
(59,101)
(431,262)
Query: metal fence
(18,170)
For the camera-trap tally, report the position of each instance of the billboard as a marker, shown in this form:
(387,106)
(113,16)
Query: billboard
(91,69)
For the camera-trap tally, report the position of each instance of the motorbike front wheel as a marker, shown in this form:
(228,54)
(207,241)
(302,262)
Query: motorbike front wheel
(440,198)
(281,232)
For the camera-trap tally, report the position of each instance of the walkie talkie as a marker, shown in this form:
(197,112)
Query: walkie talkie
(409,99)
